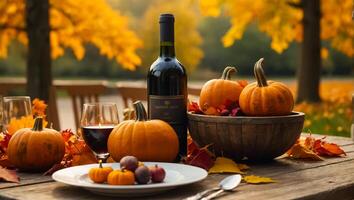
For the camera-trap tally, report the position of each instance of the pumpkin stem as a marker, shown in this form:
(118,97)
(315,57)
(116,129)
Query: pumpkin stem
(100,163)
(140,111)
(226,75)
(38,124)
(259,73)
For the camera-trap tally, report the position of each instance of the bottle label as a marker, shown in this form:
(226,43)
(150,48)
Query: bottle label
(171,109)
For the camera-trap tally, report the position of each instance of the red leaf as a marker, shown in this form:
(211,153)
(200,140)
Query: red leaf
(9,175)
(194,107)
(4,141)
(324,148)
(200,157)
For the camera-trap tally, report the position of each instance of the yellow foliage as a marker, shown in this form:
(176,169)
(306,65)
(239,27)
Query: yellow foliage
(73,24)
(282,22)
(187,38)
(257,179)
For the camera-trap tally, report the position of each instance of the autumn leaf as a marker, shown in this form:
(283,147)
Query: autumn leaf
(300,151)
(38,107)
(226,165)
(200,157)
(4,141)
(9,175)
(194,108)
(324,148)
(76,150)
(257,179)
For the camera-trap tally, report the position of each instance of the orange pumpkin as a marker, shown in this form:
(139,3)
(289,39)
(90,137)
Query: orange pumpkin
(217,92)
(121,177)
(265,98)
(100,174)
(36,149)
(148,140)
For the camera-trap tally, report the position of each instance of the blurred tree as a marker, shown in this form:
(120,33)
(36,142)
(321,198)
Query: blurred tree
(47,27)
(308,21)
(188,39)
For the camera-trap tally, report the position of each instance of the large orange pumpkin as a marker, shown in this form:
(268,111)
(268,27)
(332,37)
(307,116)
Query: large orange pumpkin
(36,149)
(148,140)
(265,98)
(217,92)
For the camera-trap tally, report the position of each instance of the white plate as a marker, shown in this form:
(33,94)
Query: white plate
(176,175)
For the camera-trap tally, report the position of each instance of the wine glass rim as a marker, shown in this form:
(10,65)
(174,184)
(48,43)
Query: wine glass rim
(16,97)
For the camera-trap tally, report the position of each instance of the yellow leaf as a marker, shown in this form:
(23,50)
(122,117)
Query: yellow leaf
(226,165)
(257,179)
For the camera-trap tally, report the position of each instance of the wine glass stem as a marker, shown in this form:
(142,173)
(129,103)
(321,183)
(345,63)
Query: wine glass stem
(103,158)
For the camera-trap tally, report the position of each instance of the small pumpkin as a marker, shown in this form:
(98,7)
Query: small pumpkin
(36,149)
(99,174)
(265,98)
(217,92)
(148,140)
(121,177)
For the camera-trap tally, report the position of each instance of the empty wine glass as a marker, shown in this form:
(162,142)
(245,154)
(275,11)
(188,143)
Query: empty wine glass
(97,123)
(15,107)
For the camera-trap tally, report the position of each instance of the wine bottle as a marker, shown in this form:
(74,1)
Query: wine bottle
(167,85)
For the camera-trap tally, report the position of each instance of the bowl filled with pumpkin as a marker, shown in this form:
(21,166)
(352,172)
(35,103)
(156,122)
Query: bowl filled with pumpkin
(245,121)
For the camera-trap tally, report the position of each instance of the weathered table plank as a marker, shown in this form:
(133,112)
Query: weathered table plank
(332,178)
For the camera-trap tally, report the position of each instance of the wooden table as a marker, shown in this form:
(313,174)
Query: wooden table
(297,179)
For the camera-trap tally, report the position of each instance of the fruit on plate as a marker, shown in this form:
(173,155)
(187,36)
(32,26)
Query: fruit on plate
(265,98)
(121,177)
(157,174)
(99,174)
(217,92)
(37,148)
(129,163)
(142,175)
(148,140)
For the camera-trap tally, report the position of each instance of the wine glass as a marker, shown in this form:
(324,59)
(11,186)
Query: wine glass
(97,123)
(15,107)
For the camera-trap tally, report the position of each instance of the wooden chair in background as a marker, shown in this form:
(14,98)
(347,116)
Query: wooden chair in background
(130,94)
(82,92)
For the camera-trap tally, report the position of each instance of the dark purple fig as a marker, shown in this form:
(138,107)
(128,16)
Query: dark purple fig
(142,175)
(157,174)
(129,163)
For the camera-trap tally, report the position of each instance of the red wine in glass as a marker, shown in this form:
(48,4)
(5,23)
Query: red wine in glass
(96,137)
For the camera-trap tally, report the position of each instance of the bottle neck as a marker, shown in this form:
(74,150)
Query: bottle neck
(167,49)
(167,39)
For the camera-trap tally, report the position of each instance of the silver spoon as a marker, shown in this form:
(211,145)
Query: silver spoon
(227,184)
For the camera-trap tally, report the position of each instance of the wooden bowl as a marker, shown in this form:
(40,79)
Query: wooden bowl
(244,137)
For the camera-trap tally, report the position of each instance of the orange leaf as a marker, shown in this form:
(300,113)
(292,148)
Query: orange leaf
(300,151)
(328,149)
(8,175)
